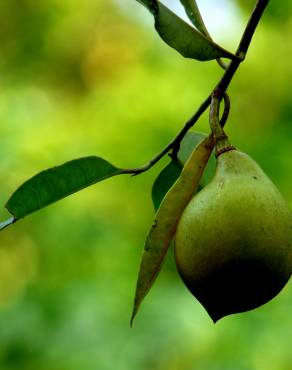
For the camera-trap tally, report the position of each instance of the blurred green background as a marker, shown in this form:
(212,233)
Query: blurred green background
(89,77)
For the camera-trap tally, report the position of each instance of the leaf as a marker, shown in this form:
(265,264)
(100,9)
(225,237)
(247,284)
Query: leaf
(189,142)
(7,223)
(56,183)
(164,181)
(172,171)
(167,218)
(181,36)
(193,12)
(195,17)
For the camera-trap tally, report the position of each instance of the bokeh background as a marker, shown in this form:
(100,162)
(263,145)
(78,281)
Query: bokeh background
(89,77)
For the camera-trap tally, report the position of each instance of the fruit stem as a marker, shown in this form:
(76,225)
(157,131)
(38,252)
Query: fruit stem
(222,143)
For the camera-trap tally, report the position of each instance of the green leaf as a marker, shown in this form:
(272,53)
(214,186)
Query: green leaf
(56,183)
(195,17)
(167,218)
(172,171)
(189,142)
(181,36)
(193,12)
(164,181)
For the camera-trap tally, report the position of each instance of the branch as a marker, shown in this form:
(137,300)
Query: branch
(220,88)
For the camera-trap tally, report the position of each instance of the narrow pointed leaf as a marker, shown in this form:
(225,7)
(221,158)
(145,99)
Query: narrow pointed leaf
(181,36)
(195,17)
(167,218)
(56,183)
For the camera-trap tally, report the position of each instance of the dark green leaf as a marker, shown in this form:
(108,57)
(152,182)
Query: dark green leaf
(181,36)
(56,183)
(164,181)
(151,5)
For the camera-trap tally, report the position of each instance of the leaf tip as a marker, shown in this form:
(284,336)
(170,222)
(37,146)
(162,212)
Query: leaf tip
(7,223)
(131,322)
(134,313)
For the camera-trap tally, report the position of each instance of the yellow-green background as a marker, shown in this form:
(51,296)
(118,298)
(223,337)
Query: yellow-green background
(89,77)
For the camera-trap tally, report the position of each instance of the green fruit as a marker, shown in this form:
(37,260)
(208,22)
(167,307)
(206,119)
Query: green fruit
(233,244)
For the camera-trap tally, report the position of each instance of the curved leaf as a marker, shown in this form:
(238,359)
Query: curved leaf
(188,144)
(193,13)
(181,36)
(56,183)
(195,17)
(172,171)
(167,218)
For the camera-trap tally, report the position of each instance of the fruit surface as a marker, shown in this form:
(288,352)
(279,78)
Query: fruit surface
(233,244)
